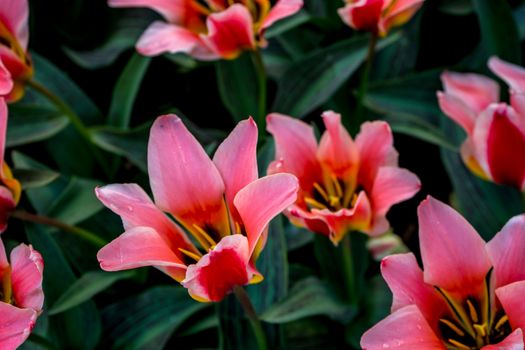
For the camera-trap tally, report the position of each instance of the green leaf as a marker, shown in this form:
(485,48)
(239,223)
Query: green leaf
(29,124)
(499,31)
(32,178)
(87,286)
(456,7)
(135,321)
(126,90)
(308,297)
(519,17)
(312,80)
(286,24)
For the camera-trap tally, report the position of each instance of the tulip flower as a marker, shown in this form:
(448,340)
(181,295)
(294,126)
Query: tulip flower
(378,16)
(495,144)
(469,294)
(21,295)
(210,29)
(15,64)
(219,202)
(345,185)
(10,188)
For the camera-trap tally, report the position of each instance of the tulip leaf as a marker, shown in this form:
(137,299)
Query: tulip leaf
(286,24)
(87,286)
(137,321)
(32,178)
(313,79)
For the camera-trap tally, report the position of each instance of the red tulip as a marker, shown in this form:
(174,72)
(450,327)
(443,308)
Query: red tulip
(221,203)
(495,144)
(378,16)
(21,295)
(15,64)
(210,29)
(469,294)
(345,185)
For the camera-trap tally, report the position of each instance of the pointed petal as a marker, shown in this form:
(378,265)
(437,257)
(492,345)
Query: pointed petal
(398,14)
(304,218)
(512,74)
(14,15)
(512,342)
(262,200)
(184,180)
(281,9)
(217,272)
(457,110)
(511,298)
(6,81)
(15,325)
(476,91)
(236,159)
(174,11)
(230,31)
(405,329)
(336,148)
(506,252)
(27,268)
(362,14)
(453,253)
(391,186)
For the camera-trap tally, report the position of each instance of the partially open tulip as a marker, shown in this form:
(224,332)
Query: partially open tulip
(21,295)
(10,188)
(345,185)
(221,203)
(378,16)
(495,144)
(15,64)
(209,29)
(469,294)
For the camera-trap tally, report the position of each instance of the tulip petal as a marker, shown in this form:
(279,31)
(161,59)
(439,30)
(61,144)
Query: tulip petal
(512,342)
(457,110)
(362,14)
(506,252)
(7,205)
(281,9)
(518,103)
(14,15)
(303,218)
(476,91)
(262,200)
(15,325)
(6,81)
(217,272)
(174,11)
(184,180)
(453,253)
(27,269)
(236,159)
(405,329)
(469,156)
(391,186)
(512,74)
(230,31)
(398,13)
(511,298)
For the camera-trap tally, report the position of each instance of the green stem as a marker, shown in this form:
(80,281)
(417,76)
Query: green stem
(45,220)
(360,114)
(244,300)
(261,87)
(41,341)
(348,268)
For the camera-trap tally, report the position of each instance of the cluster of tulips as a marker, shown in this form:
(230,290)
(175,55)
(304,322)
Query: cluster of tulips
(207,223)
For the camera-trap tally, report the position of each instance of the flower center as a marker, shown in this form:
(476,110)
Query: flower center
(333,194)
(8,40)
(258,8)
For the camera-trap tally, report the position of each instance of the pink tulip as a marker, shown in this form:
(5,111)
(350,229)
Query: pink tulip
(345,185)
(495,144)
(378,16)
(10,188)
(15,64)
(469,294)
(221,203)
(21,295)
(210,29)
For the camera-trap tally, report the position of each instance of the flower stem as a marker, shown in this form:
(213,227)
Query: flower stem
(360,113)
(261,88)
(45,220)
(244,300)
(349,271)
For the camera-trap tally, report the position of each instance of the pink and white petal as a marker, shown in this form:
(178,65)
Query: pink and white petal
(470,157)
(514,341)
(453,253)
(172,10)
(362,14)
(337,149)
(295,148)
(138,247)
(236,159)
(398,14)
(134,206)
(511,298)
(406,281)
(14,14)
(303,218)
(518,103)
(15,325)
(260,201)
(512,74)
(219,271)
(391,186)
(7,205)
(6,81)
(230,31)
(457,110)
(27,268)
(375,143)
(184,180)
(476,91)
(506,252)
(281,9)
(405,329)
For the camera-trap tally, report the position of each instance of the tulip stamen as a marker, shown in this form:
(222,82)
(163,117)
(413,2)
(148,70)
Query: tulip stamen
(313,203)
(206,236)
(202,9)
(321,191)
(459,345)
(190,254)
(337,186)
(452,326)
(504,319)
(472,311)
